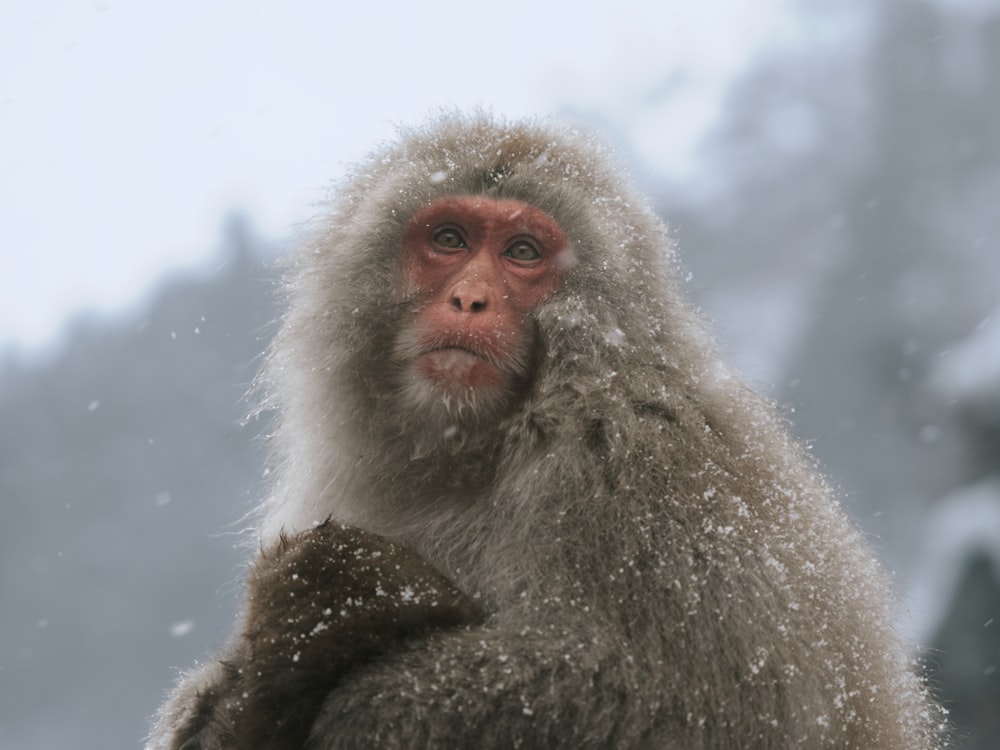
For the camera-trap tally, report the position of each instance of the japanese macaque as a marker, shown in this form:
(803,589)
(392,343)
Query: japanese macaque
(520,502)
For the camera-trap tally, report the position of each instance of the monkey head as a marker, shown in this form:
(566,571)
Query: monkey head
(463,276)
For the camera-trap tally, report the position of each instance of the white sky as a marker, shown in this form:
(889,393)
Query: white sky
(128,130)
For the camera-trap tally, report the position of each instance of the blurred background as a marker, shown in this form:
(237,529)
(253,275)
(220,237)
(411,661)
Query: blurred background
(830,167)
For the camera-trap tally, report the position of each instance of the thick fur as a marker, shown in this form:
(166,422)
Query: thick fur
(661,565)
(319,604)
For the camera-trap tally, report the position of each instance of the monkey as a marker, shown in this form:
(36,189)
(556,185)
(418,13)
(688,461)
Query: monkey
(300,637)
(488,366)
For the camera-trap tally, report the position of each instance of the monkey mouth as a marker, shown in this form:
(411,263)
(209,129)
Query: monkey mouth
(460,349)
(460,366)
(460,360)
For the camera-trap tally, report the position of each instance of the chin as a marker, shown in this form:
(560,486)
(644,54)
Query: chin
(450,406)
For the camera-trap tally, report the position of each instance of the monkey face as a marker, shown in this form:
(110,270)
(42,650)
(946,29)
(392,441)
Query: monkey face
(478,267)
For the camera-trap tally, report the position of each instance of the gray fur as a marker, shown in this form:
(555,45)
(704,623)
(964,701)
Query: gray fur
(662,566)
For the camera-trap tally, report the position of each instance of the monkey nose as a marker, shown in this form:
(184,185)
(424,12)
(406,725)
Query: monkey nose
(470,296)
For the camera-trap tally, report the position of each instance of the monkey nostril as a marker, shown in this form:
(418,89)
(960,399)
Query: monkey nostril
(468,302)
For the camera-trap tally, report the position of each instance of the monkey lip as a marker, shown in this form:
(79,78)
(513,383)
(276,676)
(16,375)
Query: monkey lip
(458,349)
(459,365)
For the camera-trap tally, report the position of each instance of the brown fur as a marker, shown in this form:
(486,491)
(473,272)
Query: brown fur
(319,604)
(661,565)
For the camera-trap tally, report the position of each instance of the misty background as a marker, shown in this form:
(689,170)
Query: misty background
(836,201)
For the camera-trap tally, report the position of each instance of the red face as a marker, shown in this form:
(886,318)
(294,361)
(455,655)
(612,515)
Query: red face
(481,266)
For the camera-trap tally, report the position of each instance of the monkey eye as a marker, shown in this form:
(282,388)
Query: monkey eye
(448,237)
(523,250)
